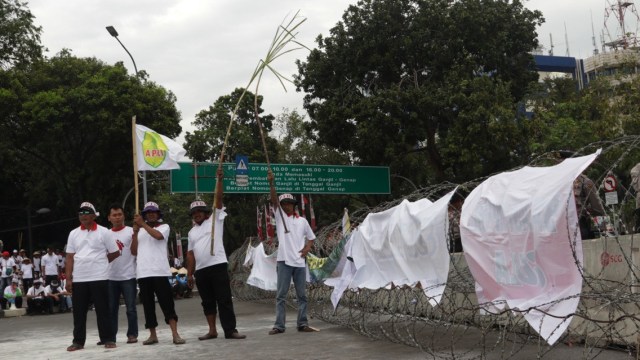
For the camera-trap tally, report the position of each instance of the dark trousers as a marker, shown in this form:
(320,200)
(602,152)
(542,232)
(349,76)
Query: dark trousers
(39,305)
(586,232)
(215,291)
(5,302)
(160,287)
(26,284)
(85,293)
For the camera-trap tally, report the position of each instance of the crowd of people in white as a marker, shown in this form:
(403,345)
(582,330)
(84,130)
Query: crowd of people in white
(38,284)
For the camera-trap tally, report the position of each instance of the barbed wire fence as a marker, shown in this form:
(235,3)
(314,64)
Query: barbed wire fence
(606,324)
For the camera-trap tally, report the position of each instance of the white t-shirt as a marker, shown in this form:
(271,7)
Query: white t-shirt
(36,263)
(33,292)
(27,271)
(290,244)
(48,290)
(5,264)
(124,266)
(50,263)
(152,259)
(200,241)
(62,260)
(89,249)
(11,293)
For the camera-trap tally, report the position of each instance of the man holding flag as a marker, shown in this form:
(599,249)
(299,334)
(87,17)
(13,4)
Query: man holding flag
(149,244)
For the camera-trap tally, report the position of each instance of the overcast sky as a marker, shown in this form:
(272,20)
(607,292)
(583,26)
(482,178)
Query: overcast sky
(203,49)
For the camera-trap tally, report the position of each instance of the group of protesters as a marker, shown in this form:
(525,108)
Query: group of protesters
(38,283)
(103,264)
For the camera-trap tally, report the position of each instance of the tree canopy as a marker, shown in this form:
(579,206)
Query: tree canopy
(19,37)
(66,124)
(205,143)
(434,77)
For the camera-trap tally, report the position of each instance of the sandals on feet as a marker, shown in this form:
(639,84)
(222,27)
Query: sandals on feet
(109,345)
(150,341)
(207,336)
(132,340)
(178,340)
(74,347)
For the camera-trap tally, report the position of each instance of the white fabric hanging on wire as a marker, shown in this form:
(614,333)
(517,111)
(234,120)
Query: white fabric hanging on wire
(263,273)
(403,245)
(521,241)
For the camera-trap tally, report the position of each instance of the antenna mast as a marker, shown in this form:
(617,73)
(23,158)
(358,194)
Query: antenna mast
(618,9)
(593,36)
(566,39)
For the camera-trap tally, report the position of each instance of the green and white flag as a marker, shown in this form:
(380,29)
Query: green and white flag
(156,151)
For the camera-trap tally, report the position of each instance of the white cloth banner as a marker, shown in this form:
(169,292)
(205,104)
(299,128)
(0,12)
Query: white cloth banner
(263,273)
(521,241)
(404,245)
(156,151)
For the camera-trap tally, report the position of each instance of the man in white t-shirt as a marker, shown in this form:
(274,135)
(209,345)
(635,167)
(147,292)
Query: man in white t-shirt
(37,302)
(149,245)
(17,257)
(295,239)
(36,264)
(62,261)
(49,264)
(122,275)
(26,268)
(90,249)
(57,295)
(7,269)
(211,275)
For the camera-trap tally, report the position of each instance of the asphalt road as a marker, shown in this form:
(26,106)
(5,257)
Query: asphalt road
(47,337)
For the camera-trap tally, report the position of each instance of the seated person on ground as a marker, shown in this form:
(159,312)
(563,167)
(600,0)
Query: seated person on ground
(57,295)
(37,302)
(12,295)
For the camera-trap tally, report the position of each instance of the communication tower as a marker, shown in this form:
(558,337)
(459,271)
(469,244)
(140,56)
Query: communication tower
(621,25)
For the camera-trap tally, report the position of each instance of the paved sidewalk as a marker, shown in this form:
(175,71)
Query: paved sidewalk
(47,337)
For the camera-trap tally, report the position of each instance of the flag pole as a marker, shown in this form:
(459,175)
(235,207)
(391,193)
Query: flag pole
(135,163)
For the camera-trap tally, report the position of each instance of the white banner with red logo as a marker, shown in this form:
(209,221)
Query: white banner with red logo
(521,241)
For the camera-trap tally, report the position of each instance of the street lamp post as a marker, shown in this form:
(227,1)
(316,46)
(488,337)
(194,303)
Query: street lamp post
(112,31)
